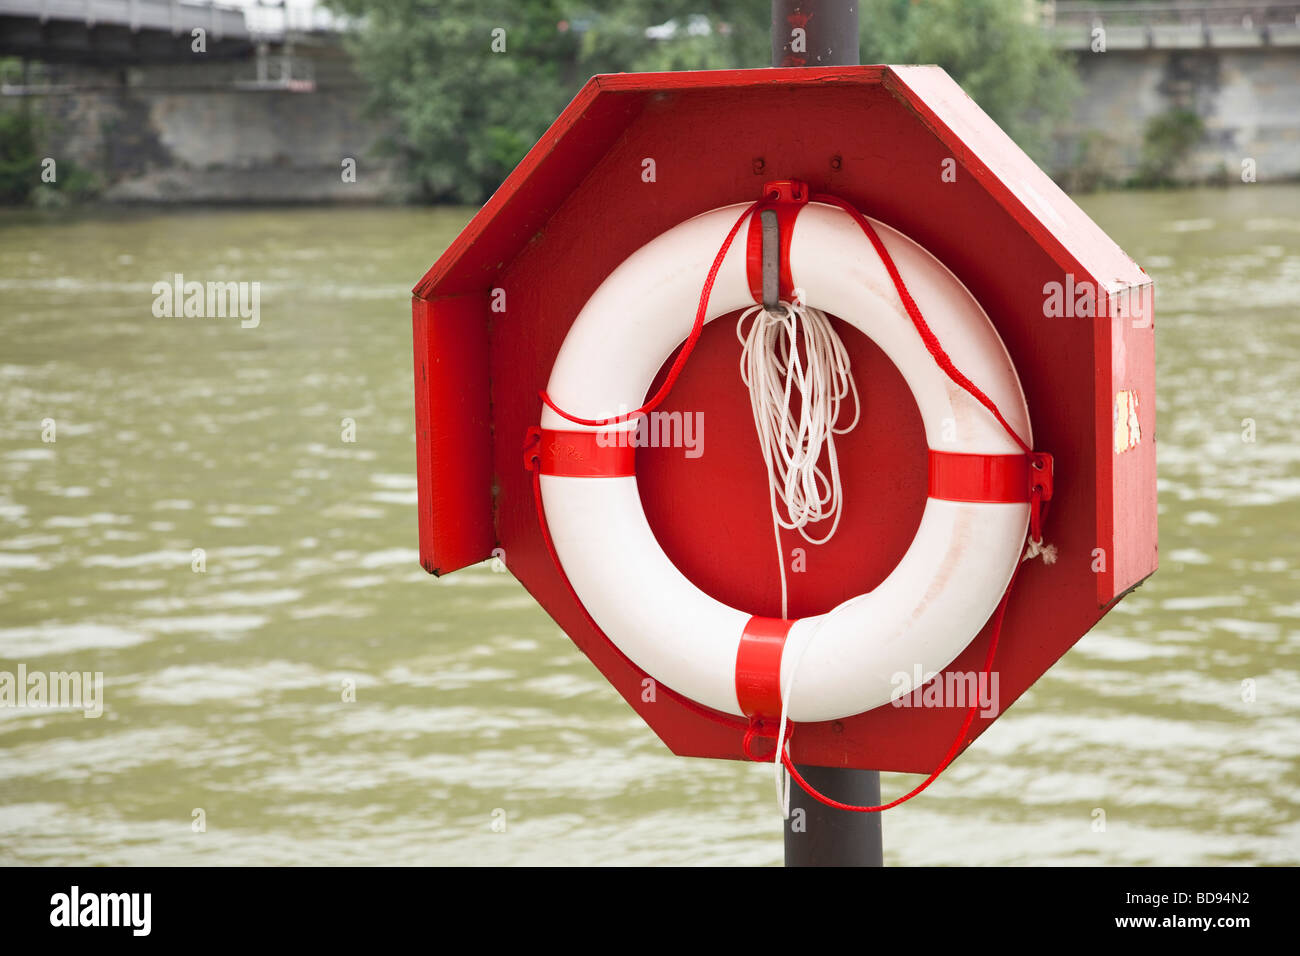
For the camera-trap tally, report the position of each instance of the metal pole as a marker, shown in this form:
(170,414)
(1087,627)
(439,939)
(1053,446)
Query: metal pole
(825,33)
(817,835)
(815,33)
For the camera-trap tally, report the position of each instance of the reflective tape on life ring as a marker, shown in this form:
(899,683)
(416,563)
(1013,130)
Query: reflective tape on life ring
(972,529)
(758,665)
(958,477)
(568,453)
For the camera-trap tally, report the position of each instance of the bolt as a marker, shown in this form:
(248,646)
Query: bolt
(836,162)
(759,166)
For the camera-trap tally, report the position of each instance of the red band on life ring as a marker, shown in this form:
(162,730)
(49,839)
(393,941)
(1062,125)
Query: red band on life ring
(582,454)
(983,478)
(786,197)
(758,666)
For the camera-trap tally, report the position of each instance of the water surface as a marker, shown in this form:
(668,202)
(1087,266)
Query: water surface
(225,689)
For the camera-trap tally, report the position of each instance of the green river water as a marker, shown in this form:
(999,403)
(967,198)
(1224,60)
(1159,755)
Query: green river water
(223,699)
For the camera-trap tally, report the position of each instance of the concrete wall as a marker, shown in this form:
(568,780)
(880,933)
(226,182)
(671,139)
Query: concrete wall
(209,133)
(1248,99)
(212,133)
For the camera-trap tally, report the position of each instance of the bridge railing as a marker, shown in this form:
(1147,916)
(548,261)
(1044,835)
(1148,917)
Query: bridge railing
(1079,25)
(170,15)
(285,18)
(261,20)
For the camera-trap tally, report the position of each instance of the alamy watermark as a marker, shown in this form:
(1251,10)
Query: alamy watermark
(76,690)
(1081,299)
(951,689)
(683,430)
(208,300)
(129,910)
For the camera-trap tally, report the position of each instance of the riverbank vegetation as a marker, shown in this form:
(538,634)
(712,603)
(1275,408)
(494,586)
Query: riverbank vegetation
(27,176)
(472,84)
(466,87)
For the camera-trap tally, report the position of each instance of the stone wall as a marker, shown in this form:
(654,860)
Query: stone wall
(214,133)
(1247,99)
(225,131)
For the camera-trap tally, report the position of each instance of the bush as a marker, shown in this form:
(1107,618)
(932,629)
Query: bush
(1166,143)
(20,166)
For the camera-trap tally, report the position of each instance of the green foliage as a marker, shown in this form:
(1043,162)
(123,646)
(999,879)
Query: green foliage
(738,36)
(1093,165)
(993,48)
(464,115)
(1168,139)
(74,185)
(20,167)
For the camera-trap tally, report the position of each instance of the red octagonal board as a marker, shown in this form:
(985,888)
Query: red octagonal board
(882,138)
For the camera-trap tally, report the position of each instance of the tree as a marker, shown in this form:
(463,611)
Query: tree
(993,48)
(472,84)
(467,102)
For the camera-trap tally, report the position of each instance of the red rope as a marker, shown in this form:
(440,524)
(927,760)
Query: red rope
(942,359)
(682,356)
(952,751)
(928,337)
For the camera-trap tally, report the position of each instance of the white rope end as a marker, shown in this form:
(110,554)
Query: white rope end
(1035,549)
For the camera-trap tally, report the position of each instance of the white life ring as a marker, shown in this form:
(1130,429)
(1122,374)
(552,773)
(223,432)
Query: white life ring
(938,597)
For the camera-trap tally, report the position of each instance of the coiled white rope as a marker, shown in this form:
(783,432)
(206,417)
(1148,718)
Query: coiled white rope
(798,374)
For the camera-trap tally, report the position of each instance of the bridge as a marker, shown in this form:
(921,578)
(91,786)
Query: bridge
(152,31)
(273,106)
(1233,65)
(1075,25)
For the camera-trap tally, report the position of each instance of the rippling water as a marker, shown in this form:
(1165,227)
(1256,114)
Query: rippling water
(224,689)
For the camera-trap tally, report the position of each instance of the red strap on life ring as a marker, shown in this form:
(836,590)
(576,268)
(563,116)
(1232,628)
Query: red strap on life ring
(758,666)
(786,198)
(581,454)
(1006,479)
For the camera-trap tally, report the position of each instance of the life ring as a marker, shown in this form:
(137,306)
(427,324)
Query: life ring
(972,531)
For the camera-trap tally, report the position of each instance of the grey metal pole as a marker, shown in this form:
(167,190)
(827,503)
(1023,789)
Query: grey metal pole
(825,33)
(815,33)
(818,835)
